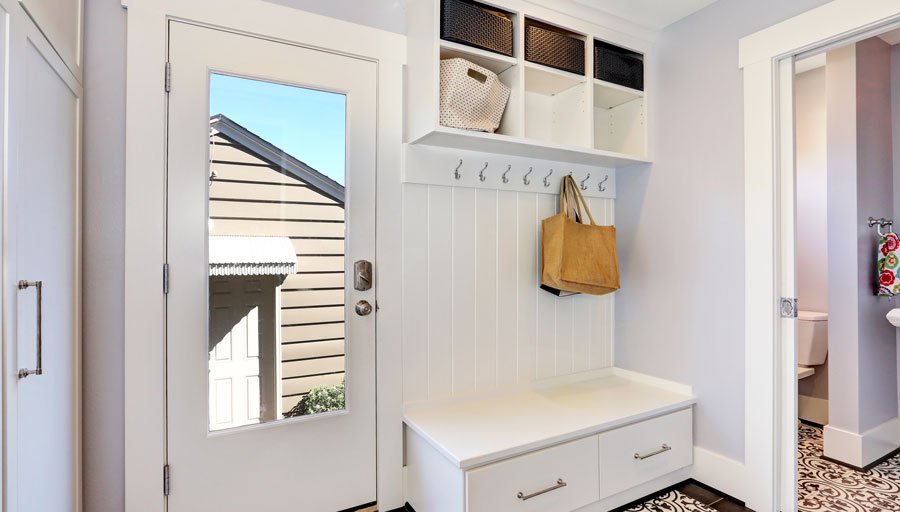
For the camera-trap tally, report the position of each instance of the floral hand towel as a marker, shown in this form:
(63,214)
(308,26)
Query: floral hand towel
(888,261)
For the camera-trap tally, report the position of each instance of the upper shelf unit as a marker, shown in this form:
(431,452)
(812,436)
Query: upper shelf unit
(551,114)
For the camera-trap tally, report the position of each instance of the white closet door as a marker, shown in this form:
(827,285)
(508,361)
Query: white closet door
(41,231)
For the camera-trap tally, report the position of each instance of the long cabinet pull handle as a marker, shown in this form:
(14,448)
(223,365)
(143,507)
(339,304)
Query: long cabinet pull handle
(662,449)
(38,369)
(560,483)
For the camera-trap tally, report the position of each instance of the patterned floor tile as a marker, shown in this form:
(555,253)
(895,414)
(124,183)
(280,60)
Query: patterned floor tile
(672,502)
(827,486)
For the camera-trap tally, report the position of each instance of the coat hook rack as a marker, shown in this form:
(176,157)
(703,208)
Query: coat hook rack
(456,174)
(505,179)
(584,182)
(481,176)
(525,178)
(602,182)
(547,178)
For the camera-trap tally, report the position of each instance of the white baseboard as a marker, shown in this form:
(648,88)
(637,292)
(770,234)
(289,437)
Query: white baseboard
(813,409)
(860,450)
(719,472)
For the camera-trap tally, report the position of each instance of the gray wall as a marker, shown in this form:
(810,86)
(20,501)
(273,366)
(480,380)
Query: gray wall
(812,213)
(875,170)
(104,252)
(680,313)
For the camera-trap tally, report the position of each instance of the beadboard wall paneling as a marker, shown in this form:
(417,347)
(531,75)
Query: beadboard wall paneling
(474,319)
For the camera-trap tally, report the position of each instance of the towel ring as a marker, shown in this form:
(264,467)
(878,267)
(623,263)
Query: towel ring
(882,223)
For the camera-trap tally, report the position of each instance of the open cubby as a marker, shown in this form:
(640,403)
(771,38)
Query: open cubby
(551,114)
(556,106)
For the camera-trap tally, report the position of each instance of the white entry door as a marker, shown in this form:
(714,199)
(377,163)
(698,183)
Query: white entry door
(41,268)
(270,331)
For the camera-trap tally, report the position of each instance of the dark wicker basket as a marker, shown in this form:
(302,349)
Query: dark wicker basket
(477,25)
(618,66)
(555,49)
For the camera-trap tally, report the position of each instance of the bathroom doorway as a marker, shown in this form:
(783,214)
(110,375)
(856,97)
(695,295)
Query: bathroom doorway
(846,264)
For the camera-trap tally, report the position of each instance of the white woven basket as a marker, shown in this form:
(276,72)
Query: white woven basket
(472,97)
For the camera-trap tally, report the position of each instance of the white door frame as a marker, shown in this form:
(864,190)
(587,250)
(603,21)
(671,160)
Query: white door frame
(145,134)
(765,57)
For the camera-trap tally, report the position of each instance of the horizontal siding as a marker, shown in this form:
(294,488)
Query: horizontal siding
(309,350)
(252,190)
(257,210)
(249,197)
(269,228)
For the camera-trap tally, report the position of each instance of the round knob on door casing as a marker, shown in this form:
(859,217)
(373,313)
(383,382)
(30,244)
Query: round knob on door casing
(363,308)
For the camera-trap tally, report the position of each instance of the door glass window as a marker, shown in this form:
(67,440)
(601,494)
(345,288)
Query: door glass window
(276,251)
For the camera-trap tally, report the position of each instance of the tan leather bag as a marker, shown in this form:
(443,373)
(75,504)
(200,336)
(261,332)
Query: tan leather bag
(578,257)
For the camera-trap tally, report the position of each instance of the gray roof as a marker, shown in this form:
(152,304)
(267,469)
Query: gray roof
(277,158)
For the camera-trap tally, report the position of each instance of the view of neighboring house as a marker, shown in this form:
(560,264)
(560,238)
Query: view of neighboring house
(276,254)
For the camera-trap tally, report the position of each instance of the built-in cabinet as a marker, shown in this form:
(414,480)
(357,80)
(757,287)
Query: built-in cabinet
(551,114)
(589,443)
(40,159)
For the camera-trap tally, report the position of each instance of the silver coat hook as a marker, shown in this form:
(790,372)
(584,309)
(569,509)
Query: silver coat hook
(547,178)
(525,178)
(600,186)
(481,176)
(584,182)
(505,179)
(456,174)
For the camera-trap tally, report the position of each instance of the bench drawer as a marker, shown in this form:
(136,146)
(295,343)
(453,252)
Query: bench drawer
(639,453)
(498,486)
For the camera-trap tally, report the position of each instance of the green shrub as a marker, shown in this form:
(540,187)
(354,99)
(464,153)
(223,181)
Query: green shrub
(319,399)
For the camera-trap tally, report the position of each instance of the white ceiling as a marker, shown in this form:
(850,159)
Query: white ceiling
(653,14)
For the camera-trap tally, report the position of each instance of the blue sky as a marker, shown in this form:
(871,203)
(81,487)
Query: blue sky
(307,124)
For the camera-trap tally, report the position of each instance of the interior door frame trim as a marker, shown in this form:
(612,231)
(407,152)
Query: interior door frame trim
(768,156)
(145,163)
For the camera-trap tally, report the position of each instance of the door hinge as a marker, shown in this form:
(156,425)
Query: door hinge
(166,480)
(165,278)
(788,307)
(168,76)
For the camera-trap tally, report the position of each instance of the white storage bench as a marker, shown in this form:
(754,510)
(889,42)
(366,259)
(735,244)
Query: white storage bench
(589,443)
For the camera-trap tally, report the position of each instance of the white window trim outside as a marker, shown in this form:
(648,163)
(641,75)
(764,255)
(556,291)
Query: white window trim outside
(766,58)
(145,215)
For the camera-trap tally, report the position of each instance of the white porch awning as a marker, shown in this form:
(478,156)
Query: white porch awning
(251,256)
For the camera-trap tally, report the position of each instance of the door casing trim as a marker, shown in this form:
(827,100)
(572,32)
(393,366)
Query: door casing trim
(770,399)
(145,163)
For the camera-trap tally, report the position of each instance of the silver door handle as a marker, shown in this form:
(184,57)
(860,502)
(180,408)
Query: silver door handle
(662,449)
(38,369)
(560,483)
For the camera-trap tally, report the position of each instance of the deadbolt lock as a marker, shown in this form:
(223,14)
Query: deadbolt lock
(362,275)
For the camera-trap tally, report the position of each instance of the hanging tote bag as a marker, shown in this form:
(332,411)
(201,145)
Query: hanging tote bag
(578,257)
(472,97)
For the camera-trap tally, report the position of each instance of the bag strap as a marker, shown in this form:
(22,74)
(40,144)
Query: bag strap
(579,200)
(567,201)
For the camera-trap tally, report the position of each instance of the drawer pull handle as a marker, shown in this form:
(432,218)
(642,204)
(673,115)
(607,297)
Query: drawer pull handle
(662,449)
(560,483)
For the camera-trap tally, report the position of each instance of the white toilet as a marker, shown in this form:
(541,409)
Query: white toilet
(812,342)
